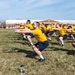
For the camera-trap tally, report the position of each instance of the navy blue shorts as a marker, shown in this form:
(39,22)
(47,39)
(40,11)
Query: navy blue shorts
(47,33)
(65,36)
(73,35)
(52,32)
(29,34)
(42,45)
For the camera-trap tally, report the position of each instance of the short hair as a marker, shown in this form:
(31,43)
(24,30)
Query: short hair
(37,23)
(69,27)
(29,21)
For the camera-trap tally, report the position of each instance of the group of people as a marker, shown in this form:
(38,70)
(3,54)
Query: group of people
(42,34)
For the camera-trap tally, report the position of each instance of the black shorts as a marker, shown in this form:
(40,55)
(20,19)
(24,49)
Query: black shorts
(42,45)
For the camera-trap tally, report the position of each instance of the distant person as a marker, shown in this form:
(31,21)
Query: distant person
(62,35)
(40,37)
(49,31)
(72,33)
(27,36)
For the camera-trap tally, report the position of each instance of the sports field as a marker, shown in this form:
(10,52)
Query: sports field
(14,51)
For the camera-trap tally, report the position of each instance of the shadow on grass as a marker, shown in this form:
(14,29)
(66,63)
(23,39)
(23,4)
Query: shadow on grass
(69,52)
(25,42)
(30,54)
(54,43)
(71,41)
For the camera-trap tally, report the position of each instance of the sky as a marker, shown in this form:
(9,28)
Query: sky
(37,9)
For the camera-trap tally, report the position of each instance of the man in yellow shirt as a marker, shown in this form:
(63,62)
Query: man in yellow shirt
(28,36)
(49,31)
(62,35)
(29,25)
(40,37)
(72,33)
(43,27)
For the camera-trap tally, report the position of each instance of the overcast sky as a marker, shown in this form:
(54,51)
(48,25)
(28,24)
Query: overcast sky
(37,9)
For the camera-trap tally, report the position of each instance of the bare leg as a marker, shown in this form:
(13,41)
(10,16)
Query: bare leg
(36,50)
(49,38)
(73,44)
(29,39)
(38,53)
(61,40)
(72,37)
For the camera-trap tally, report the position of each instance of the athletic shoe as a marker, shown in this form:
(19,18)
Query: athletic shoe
(59,42)
(62,44)
(41,60)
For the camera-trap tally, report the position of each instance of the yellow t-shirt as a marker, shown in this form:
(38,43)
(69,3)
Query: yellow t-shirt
(73,27)
(53,26)
(29,26)
(40,37)
(61,31)
(43,27)
(73,31)
(64,27)
(49,28)
(21,26)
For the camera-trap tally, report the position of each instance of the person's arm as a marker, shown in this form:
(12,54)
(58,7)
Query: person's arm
(23,31)
(69,30)
(55,29)
(73,31)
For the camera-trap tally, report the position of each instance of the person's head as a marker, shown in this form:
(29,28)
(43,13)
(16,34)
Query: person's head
(57,25)
(69,27)
(36,24)
(28,22)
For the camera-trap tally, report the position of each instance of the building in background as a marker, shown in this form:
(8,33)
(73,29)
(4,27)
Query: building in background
(49,21)
(14,23)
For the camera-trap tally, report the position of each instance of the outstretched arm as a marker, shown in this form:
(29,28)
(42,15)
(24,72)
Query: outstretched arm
(23,31)
(69,30)
(55,29)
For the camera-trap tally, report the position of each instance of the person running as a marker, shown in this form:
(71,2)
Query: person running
(40,37)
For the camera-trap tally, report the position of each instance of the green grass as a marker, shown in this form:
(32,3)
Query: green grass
(14,51)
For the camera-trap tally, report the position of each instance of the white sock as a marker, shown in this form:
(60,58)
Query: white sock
(62,43)
(24,36)
(49,38)
(41,57)
(31,43)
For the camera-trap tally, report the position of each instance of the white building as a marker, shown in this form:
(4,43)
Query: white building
(12,23)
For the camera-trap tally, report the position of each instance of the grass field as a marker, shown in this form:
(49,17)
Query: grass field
(14,51)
